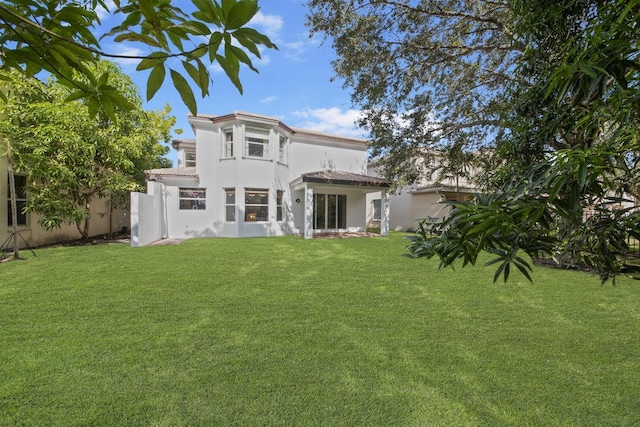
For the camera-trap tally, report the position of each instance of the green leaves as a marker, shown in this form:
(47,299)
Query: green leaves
(184,90)
(565,182)
(575,208)
(58,39)
(155,80)
(507,258)
(240,14)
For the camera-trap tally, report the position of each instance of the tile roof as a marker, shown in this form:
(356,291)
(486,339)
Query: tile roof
(275,121)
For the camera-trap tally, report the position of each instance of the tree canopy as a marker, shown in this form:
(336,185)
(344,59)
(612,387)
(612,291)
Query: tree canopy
(59,37)
(69,157)
(427,75)
(551,87)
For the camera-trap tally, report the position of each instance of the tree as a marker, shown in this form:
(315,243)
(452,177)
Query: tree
(70,157)
(428,75)
(57,37)
(455,163)
(548,88)
(572,160)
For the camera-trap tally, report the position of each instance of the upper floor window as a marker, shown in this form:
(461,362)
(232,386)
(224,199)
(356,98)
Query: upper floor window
(227,148)
(193,198)
(257,143)
(282,153)
(256,205)
(189,159)
(21,200)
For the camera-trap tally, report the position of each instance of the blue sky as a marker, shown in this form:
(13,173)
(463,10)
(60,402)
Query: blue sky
(294,82)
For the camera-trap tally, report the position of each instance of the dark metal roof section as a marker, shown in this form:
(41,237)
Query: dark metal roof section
(343,178)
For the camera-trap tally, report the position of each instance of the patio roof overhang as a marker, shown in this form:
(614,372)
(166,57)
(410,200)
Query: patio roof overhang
(443,189)
(341,178)
(187,175)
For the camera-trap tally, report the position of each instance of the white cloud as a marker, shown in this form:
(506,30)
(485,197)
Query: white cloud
(295,50)
(102,12)
(269,99)
(125,50)
(330,120)
(273,25)
(269,24)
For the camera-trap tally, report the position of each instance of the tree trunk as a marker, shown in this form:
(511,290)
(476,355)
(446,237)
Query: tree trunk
(111,233)
(85,233)
(14,203)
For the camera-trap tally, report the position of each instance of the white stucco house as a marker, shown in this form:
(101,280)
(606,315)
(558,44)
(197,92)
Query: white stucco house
(248,175)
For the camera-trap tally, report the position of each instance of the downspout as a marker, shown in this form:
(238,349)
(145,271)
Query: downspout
(308,212)
(164,233)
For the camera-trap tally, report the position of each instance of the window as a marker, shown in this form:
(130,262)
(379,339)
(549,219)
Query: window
(256,205)
(282,154)
(228,143)
(329,211)
(189,159)
(377,210)
(193,198)
(279,205)
(230,204)
(21,199)
(257,143)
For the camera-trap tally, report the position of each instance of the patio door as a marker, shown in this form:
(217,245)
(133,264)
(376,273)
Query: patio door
(329,211)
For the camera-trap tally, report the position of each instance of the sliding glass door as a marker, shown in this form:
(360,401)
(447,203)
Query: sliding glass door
(329,211)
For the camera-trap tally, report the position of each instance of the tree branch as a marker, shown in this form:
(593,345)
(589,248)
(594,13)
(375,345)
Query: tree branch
(95,51)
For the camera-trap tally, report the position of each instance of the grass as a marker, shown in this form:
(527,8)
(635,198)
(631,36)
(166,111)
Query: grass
(283,331)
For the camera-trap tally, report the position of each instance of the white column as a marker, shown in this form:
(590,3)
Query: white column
(384,220)
(308,213)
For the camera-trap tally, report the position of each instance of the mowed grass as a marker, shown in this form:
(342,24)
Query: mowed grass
(283,331)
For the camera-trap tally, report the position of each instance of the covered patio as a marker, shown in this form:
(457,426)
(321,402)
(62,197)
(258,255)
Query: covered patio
(335,202)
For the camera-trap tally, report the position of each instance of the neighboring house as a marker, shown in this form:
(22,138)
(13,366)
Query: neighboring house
(103,219)
(251,175)
(413,203)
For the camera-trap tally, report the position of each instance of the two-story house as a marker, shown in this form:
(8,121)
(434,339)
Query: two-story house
(252,175)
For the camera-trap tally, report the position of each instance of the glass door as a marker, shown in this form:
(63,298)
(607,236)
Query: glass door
(329,211)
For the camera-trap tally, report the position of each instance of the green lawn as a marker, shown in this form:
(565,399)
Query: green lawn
(283,331)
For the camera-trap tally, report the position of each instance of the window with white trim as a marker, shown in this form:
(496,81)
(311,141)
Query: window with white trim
(279,205)
(228,143)
(377,209)
(230,204)
(21,199)
(257,143)
(192,198)
(256,204)
(189,159)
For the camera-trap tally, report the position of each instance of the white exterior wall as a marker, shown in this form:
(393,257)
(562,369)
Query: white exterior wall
(407,209)
(309,157)
(146,225)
